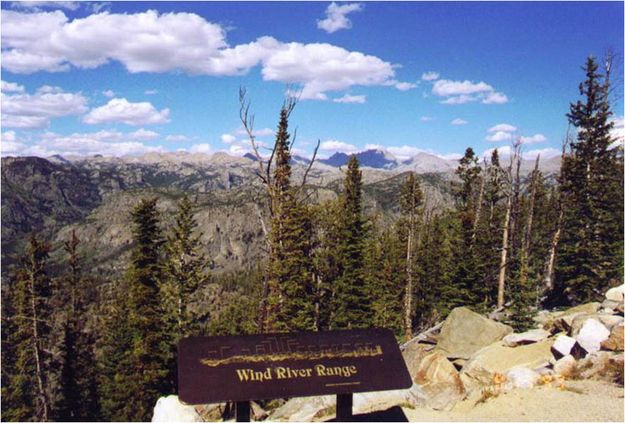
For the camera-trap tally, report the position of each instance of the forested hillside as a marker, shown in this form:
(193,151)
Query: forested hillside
(109,263)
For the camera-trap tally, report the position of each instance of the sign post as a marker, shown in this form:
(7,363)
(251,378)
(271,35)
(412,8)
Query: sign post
(286,365)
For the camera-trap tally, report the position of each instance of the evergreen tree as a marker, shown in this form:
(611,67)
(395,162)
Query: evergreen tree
(78,379)
(351,297)
(136,339)
(184,272)
(411,202)
(290,302)
(467,278)
(327,266)
(386,277)
(590,253)
(26,395)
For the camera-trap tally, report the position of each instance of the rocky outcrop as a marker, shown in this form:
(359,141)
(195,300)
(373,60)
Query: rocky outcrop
(466,332)
(170,409)
(498,359)
(439,381)
(529,337)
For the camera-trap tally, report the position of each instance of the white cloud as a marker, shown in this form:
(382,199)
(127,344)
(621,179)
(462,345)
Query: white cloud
(405,86)
(338,146)
(106,143)
(404,152)
(461,92)
(459,99)
(545,153)
(618,131)
(444,87)
(228,138)
(264,132)
(11,87)
(336,17)
(506,151)
(359,99)
(9,144)
(533,139)
(430,76)
(499,136)
(426,118)
(121,110)
(495,98)
(153,42)
(36,110)
(503,127)
(176,138)
(108,93)
(459,121)
(39,5)
(201,148)
(143,135)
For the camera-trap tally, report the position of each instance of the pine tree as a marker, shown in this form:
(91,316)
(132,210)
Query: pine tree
(467,277)
(78,380)
(386,278)
(326,262)
(590,254)
(351,297)
(184,272)
(411,202)
(137,338)
(26,396)
(290,301)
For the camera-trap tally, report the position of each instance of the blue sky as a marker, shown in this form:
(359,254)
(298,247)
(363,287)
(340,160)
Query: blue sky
(127,78)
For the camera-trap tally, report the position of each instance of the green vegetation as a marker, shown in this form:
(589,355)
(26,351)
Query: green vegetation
(79,345)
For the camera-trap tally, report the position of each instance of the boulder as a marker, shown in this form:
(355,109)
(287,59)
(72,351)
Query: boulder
(562,320)
(211,412)
(591,335)
(439,381)
(413,354)
(368,402)
(616,294)
(170,409)
(497,359)
(529,337)
(565,366)
(615,340)
(608,320)
(521,377)
(304,409)
(464,332)
(602,365)
(562,346)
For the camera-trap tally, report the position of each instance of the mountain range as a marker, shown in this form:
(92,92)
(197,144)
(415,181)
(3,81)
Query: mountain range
(94,195)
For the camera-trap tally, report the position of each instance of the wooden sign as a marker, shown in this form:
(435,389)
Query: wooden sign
(255,367)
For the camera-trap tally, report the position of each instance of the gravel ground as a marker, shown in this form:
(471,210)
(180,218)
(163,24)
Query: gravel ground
(579,401)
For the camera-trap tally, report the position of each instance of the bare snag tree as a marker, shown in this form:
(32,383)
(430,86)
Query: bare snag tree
(275,183)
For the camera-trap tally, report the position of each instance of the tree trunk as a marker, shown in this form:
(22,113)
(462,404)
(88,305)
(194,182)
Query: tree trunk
(530,217)
(504,255)
(409,285)
(478,211)
(549,273)
(41,394)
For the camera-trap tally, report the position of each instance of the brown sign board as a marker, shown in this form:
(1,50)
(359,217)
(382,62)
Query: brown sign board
(283,365)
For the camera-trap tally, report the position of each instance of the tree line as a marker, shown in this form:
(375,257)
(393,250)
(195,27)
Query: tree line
(73,350)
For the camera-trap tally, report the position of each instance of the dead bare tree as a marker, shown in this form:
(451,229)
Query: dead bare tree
(555,239)
(508,224)
(264,173)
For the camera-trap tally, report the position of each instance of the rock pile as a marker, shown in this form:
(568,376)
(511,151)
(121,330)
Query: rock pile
(469,358)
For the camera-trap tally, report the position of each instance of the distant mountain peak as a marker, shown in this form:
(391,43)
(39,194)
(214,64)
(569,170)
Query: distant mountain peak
(375,158)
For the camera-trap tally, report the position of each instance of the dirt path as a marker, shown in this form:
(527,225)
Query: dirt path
(591,401)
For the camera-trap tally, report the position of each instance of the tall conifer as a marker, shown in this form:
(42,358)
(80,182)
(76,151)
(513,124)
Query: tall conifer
(590,255)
